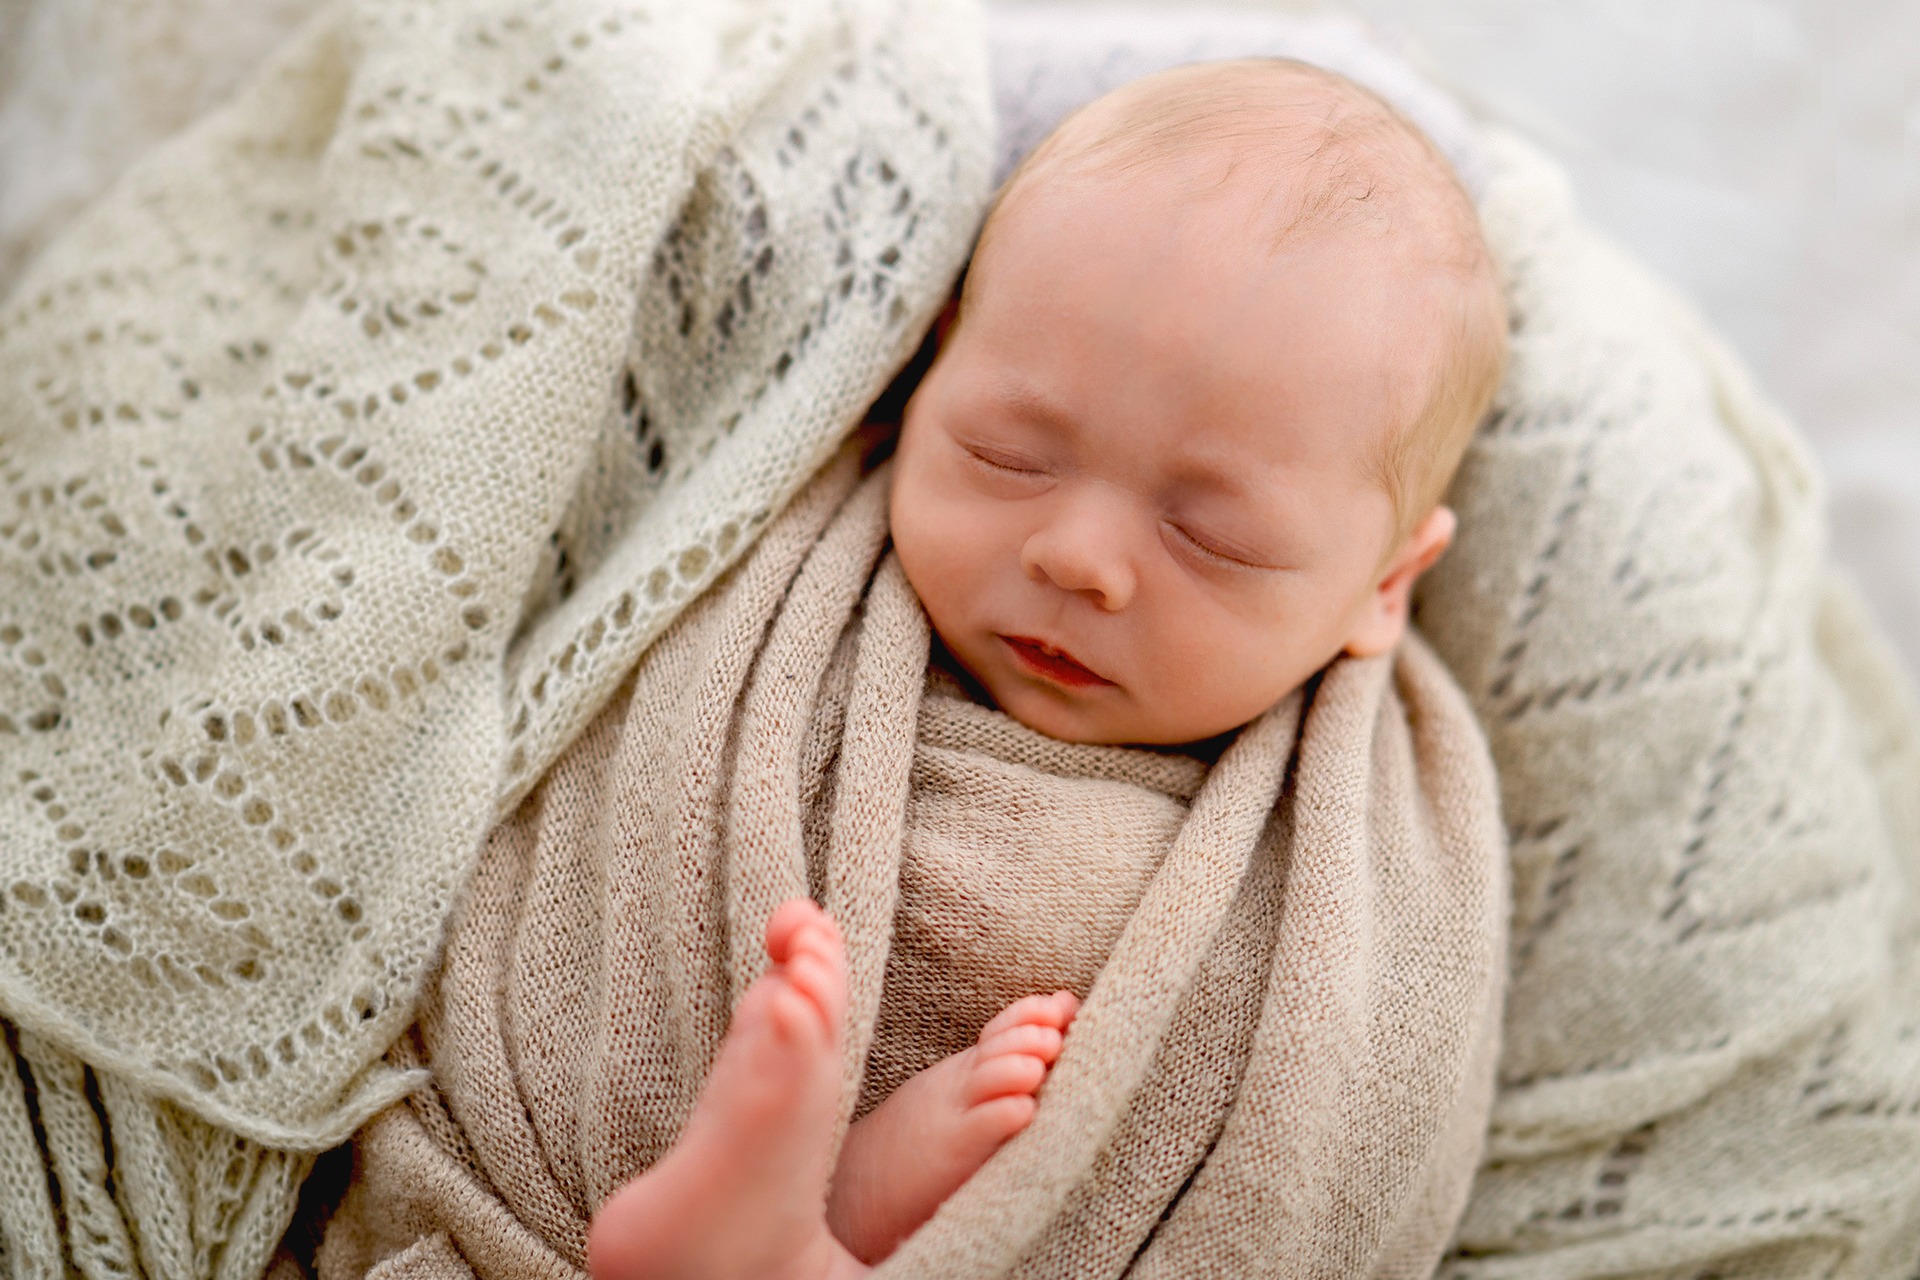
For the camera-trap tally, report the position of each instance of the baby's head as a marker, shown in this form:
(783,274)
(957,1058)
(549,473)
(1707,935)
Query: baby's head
(1223,342)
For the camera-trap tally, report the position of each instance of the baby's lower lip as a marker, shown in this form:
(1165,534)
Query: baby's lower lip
(1052,663)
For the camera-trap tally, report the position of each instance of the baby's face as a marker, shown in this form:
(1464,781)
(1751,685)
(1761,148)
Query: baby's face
(1137,491)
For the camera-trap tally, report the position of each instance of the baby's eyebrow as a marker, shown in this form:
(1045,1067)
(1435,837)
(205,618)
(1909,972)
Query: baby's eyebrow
(1019,398)
(1227,477)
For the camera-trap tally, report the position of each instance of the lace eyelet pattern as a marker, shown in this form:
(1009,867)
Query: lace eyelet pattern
(370,431)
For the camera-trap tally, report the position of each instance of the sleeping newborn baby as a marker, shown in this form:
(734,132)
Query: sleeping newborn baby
(1225,337)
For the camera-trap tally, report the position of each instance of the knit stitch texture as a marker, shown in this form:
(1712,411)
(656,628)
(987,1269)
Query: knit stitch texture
(1291,960)
(354,445)
(1711,774)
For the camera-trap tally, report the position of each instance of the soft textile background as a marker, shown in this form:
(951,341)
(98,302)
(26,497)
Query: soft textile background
(347,439)
(1763,155)
(1880,473)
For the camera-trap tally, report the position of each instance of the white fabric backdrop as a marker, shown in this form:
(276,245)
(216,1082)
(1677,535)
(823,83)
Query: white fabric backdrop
(1763,154)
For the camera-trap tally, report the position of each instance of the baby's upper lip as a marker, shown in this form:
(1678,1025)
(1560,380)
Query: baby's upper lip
(1057,653)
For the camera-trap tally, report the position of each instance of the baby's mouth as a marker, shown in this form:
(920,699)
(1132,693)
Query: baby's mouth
(1053,664)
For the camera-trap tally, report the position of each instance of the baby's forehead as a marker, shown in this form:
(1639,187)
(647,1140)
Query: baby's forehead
(1297,147)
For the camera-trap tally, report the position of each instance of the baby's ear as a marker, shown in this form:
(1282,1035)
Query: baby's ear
(1384,619)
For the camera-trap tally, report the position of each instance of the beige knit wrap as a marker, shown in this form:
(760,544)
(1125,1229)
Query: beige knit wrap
(1291,958)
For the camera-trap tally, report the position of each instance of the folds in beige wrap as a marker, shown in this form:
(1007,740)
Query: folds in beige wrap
(1293,956)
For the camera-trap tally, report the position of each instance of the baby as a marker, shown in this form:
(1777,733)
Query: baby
(1224,340)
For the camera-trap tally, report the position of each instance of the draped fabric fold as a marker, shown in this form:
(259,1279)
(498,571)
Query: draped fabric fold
(1291,957)
(352,447)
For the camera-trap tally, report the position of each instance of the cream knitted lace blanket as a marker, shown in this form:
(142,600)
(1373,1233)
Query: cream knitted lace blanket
(1291,960)
(1711,772)
(351,448)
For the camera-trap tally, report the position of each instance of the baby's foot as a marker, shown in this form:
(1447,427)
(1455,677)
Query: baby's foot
(916,1148)
(742,1193)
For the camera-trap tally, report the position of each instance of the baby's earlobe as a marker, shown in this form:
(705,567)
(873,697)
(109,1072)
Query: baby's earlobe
(1379,631)
(1384,619)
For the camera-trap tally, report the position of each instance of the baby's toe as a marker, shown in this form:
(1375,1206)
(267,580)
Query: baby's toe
(1001,1076)
(796,1020)
(798,926)
(804,944)
(997,1119)
(1054,1010)
(821,984)
(1034,1040)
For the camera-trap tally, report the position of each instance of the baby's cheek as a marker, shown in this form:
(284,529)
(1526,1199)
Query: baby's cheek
(931,551)
(907,518)
(1218,675)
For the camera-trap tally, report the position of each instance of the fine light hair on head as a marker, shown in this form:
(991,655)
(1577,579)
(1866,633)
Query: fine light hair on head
(1321,155)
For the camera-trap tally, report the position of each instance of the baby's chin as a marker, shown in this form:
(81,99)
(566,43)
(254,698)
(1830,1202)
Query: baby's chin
(1105,717)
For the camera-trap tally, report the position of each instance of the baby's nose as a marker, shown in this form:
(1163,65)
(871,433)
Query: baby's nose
(1079,551)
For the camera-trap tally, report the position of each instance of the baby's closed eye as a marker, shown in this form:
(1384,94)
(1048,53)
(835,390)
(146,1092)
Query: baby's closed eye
(1004,460)
(1006,473)
(1211,550)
